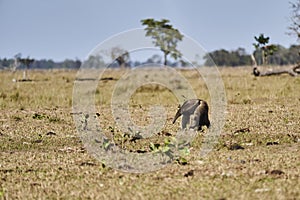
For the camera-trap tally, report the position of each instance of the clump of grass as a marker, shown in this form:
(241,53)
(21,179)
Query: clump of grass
(54,119)
(3,95)
(247,101)
(39,116)
(17,118)
(16,96)
(42,116)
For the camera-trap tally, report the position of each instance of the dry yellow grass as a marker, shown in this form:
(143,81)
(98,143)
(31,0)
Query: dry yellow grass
(42,157)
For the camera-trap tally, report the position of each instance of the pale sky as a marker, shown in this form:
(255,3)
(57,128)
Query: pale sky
(61,29)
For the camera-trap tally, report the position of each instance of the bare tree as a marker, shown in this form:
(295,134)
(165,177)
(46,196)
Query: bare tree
(120,55)
(295,19)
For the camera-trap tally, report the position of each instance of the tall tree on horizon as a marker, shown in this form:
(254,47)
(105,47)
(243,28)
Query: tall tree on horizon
(265,48)
(165,37)
(26,62)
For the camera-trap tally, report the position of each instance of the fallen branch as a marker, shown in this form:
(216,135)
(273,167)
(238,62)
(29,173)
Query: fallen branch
(296,69)
(291,72)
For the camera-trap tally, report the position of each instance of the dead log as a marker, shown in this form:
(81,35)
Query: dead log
(296,69)
(291,72)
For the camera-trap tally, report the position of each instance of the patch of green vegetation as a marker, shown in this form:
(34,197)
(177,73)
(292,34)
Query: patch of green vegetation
(54,119)
(39,116)
(42,116)
(2,192)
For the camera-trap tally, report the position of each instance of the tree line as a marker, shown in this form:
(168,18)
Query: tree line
(239,57)
(10,63)
(222,57)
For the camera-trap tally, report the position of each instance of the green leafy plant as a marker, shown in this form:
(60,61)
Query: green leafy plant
(42,116)
(39,116)
(172,149)
(106,144)
(2,191)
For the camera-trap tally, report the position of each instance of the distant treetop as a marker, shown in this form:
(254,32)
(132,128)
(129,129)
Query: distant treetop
(164,35)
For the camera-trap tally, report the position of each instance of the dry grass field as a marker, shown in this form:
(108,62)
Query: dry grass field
(257,155)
